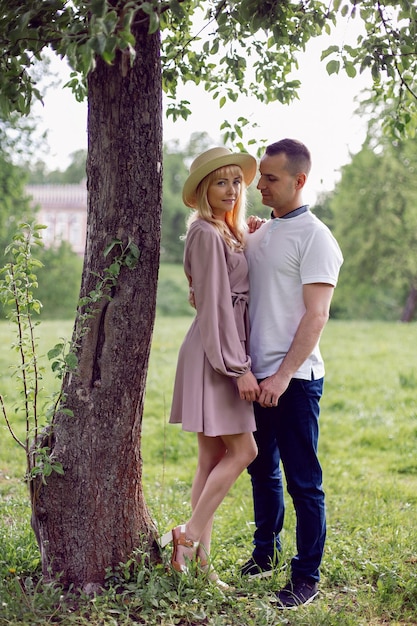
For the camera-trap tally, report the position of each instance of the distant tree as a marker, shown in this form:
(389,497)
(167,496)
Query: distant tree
(375,221)
(59,281)
(16,142)
(174,212)
(37,173)
(19,141)
(61,273)
(74,174)
(14,206)
(76,171)
(323,208)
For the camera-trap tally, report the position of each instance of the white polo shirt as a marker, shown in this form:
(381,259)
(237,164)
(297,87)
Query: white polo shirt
(283,255)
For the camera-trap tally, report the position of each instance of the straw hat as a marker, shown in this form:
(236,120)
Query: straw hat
(211,160)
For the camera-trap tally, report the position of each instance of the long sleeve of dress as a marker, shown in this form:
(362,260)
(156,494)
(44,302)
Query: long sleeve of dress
(205,261)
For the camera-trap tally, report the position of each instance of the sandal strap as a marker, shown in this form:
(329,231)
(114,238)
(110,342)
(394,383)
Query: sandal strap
(184,541)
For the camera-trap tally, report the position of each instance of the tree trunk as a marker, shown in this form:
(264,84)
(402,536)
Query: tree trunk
(94,516)
(410,305)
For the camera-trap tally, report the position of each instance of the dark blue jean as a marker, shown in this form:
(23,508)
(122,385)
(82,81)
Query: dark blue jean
(288,434)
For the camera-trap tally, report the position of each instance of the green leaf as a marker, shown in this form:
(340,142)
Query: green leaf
(112,244)
(57,467)
(98,43)
(153,23)
(330,50)
(333,67)
(350,69)
(71,361)
(55,351)
(134,249)
(114,269)
(110,22)
(98,7)
(375,72)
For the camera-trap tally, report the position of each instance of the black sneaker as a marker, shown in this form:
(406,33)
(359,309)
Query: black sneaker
(298,592)
(256,570)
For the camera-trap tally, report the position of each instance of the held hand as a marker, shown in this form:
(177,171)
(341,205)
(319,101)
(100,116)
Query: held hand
(248,387)
(272,389)
(254,222)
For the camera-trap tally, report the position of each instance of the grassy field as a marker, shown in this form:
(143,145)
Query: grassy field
(368,449)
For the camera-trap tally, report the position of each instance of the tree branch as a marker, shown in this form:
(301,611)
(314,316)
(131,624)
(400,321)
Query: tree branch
(15,437)
(388,32)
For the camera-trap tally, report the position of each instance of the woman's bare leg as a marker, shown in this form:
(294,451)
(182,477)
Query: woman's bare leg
(210,452)
(221,461)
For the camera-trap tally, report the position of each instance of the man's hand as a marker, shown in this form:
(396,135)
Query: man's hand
(272,389)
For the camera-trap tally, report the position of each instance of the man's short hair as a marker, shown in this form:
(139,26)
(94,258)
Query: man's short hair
(298,155)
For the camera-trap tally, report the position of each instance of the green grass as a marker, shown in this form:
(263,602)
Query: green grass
(368,451)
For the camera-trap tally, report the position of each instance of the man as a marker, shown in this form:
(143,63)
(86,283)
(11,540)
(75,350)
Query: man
(294,263)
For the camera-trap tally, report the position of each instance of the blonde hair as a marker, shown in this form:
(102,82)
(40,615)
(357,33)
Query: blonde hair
(234,228)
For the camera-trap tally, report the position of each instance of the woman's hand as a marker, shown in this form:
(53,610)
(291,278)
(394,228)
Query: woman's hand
(248,387)
(254,222)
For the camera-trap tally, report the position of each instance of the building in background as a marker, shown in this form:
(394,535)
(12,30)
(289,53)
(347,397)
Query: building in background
(63,210)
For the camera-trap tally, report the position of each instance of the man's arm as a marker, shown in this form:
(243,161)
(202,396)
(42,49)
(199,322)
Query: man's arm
(317,298)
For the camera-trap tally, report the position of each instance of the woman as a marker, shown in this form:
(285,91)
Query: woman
(214,386)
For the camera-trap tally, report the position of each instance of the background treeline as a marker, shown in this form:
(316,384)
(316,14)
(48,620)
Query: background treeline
(372,212)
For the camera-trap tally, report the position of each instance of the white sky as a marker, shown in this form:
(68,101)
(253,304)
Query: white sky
(323,118)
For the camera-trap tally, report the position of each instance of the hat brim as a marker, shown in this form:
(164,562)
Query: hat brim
(245,161)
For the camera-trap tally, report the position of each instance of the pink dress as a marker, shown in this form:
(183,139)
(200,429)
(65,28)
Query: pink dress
(214,353)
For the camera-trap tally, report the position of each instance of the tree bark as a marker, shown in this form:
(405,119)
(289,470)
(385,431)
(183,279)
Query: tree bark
(95,515)
(410,305)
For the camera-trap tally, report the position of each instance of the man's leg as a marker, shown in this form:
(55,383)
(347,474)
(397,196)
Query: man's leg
(268,499)
(298,431)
